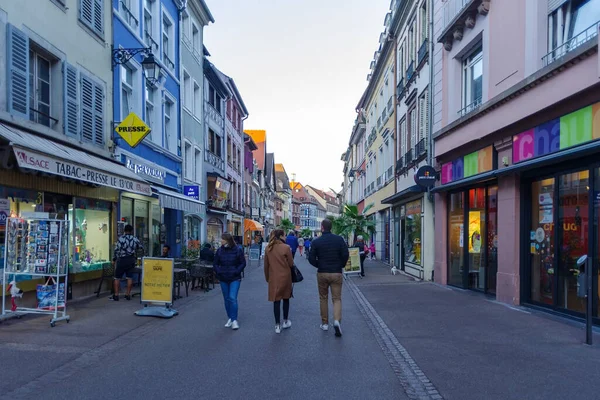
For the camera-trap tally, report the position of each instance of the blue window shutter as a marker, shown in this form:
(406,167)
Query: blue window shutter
(18,72)
(86,12)
(71,91)
(87,109)
(98,114)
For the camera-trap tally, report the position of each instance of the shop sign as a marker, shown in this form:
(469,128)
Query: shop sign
(4,211)
(132,130)
(222,187)
(192,191)
(480,161)
(570,130)
(41,162)
(426,176)
(157,280)
(147,171)
(413,207)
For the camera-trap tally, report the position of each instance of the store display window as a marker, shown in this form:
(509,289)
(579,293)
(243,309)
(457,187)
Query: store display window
(90,232)
(413,233)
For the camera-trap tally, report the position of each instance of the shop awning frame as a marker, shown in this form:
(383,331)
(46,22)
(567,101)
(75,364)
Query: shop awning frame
(48,156)
(486,176)
(415,189)
(252,225)
(179,201)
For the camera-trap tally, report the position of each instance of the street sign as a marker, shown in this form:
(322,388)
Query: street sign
(133,130)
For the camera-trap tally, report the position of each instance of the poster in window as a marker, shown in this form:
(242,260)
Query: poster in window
(474,232)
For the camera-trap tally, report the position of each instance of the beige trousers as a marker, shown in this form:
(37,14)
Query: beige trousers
(333,281)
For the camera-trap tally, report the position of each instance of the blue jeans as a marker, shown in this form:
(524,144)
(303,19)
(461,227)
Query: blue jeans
(230,294)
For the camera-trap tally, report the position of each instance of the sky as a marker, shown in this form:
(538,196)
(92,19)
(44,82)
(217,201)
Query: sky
(301,68)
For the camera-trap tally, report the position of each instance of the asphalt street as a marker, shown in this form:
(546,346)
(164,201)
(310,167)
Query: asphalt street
(192,356)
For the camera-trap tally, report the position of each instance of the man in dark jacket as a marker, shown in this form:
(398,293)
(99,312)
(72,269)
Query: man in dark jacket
(292,241)
(329,254)
(362,251)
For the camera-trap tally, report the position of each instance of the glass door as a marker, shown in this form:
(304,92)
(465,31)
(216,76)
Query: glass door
(492,239)
(475,239)
(456,220)
(596,241)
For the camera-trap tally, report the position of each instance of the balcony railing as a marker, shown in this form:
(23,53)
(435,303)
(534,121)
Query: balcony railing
(379,181)
(214,160)
(128,16)
(410,71)
(423,51)
(452,8)
(168,61)
(571,44)
(420,149)
(409,157)
(471,107)
(400,88)
(389,174)
(400,165)
(150,42)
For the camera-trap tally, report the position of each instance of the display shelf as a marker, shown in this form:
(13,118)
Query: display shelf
(37,247)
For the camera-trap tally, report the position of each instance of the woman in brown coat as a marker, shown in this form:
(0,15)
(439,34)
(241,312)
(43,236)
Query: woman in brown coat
(278,273)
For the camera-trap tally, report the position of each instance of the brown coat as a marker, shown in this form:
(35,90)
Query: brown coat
(278,271)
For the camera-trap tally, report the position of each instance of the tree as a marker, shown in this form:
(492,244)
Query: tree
(352,223)
(286,225)
(306,233)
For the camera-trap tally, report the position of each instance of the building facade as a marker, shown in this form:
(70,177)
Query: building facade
(516,145)
(252,226)
(56,148)
(284,192)
(194,18)
(217,187)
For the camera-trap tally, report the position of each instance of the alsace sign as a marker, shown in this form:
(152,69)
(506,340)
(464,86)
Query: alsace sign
(133,130)
(45,163)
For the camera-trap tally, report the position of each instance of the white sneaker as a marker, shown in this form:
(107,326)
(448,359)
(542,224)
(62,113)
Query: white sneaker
(287,324)
(228,324)
(235,326)
(338,328)
(277,329)
(325,327)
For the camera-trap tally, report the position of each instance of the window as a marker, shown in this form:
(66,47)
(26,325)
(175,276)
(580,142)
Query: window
(185,26)
(150,31)
(189,161)
(196,38)
(239,157)
(39,90)
(214,99)
(187,91)
(170,125)
(151,115)
(218,146)
(412,128)
(167,42)
(403,137)
(197,100)
(126,91)
(229,145)
(570,24)
(128,9)
(411,44)
(91,13)
(92,111)
(472,81)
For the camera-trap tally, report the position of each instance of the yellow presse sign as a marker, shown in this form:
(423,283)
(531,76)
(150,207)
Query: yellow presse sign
(157,280)
(132,129)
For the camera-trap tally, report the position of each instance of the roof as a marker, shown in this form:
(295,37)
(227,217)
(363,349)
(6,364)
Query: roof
(257,135)
(270,167)
(214,76)
(260,139)
(233,89)
(251,144)
(324,195)
(282,182)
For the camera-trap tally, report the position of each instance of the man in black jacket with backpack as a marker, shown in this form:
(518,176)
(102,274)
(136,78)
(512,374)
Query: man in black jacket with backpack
(329,254)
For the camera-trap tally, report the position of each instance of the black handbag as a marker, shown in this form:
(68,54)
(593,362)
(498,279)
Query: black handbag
(296,275)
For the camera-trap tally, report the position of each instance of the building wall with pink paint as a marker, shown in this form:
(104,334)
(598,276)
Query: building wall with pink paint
(516,118)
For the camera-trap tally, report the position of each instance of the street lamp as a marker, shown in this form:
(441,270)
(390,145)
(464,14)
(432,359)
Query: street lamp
(149,63)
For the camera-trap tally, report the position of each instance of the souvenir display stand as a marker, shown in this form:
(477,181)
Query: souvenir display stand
(37,248)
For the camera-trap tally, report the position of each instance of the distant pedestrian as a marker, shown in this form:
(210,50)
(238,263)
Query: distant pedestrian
(229,264)
(278,273)
(307,246)
(292,241)
(329,254)
(362,251)
(300,245)
(207,253)
(125,259)
(166,251)
(372,251)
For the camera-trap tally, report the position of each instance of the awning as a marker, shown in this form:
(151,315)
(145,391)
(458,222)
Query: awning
(415,189)
(486,176)
(179,201)
(44,155)
(252,225)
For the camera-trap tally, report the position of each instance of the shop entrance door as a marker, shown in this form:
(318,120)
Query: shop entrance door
(397,241)
(402,241)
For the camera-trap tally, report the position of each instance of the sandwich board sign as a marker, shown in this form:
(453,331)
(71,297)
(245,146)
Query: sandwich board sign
(157,287)
(353,264)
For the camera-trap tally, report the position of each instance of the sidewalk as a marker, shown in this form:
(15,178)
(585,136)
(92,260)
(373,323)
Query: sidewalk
(472,347)
(34,347)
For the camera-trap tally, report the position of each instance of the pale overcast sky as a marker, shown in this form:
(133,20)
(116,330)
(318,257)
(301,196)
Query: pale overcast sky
(301,68)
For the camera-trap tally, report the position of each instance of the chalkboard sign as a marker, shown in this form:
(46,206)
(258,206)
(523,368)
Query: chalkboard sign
(254,252)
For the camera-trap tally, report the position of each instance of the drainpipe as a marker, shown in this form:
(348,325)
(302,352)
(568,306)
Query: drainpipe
(431,93)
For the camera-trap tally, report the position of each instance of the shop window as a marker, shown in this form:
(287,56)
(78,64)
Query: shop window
(413,233)
(596,241)
(90,230)
(472,81)
(456,208)
(155,234)
(541,241)
(476,237)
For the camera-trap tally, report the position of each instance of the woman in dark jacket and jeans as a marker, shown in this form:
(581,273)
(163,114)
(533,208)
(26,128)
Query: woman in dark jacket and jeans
(228,265)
